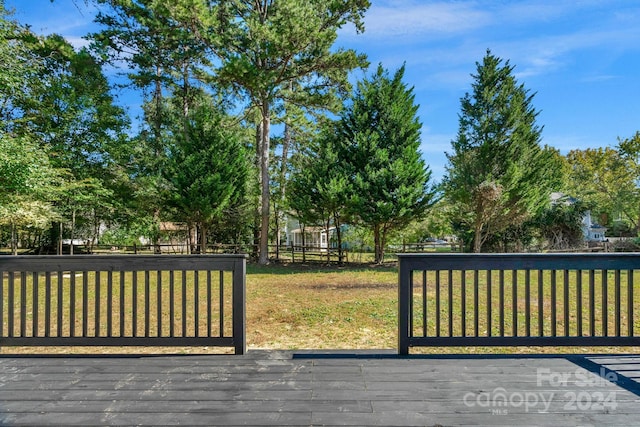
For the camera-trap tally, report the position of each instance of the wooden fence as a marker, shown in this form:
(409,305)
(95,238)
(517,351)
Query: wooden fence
(194,300)
(518,299)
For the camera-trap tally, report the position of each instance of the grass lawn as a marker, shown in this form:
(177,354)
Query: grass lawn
(298,306)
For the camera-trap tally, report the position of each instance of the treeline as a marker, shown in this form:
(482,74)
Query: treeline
(249,120)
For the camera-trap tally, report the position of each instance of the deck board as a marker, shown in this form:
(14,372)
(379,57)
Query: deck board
(314,388)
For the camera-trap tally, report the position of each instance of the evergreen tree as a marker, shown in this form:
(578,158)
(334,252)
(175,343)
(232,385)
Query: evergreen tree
(498,176)
(378,144)
(319,188)
(207,170)
(268,46)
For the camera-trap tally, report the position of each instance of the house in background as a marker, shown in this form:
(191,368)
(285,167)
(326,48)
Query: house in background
(317,237)
(593,232)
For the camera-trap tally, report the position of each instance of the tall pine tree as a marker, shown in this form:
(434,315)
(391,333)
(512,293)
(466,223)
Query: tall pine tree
(498,175)
(378,142)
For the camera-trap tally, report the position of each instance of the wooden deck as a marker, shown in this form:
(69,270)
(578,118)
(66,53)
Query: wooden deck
(314,388)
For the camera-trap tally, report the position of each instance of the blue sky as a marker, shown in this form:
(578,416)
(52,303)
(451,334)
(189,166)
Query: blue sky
(581,58)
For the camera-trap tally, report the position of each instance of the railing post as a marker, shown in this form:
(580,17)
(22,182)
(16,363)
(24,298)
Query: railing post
(404,301)
(239,305)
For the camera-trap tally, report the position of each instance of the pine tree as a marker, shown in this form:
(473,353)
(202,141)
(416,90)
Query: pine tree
(379,141)
(207,169)
(319,188)
(498,176)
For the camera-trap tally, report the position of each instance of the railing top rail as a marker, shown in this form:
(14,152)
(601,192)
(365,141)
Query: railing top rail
(525,261)
(44,263)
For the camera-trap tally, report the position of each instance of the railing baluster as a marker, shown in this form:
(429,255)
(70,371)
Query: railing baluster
(23,303)
(221,303)
(34,297)
(110,303)
(463,302)
(47,304)
(566,302)
(605,303)
(97,305)
(172,304)
(592,303)
(450,303)
(424,303)
(184,303)
(134,303)
(10,305)
(527,302)
(122,303)
(476,303)
(437,302)
(196,302)
(514,302)
(540,303)
(617,303)
(501,295)
(630,320)
(209,302)
(579,314)
(159,304)
(411,332)
(72,304)
(554,303)
(60,302)
(489,302)
(147,303)
(85,303)
(2,300)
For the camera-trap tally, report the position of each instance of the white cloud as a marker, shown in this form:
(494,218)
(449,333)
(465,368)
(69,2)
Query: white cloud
(412,19)
(435,143)
(72,19)
(444,39)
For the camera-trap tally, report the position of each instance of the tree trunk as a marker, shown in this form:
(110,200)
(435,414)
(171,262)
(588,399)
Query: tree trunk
(304,243)
(328,240)
(336,223)
(376,244)
(203,239)
(256,220)
(477,240)
(156,236)
(95,232)
(59,251)
(276,219)
(14,239)
(73,226)
(277,207)
(264,184)
(383,242)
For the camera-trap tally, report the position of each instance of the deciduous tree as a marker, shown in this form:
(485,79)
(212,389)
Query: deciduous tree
(605,180)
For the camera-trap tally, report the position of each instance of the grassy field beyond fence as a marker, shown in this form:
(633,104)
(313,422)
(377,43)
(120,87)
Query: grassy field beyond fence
(302,306)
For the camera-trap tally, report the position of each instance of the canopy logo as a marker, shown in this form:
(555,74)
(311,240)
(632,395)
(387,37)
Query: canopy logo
(557,388)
